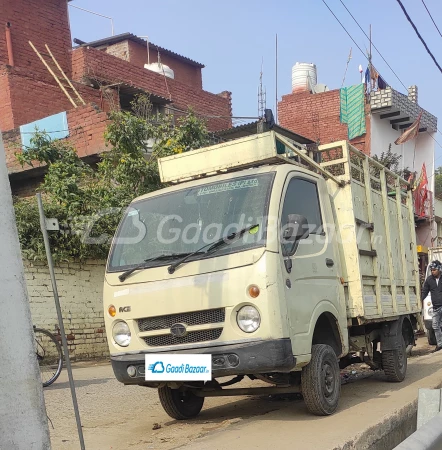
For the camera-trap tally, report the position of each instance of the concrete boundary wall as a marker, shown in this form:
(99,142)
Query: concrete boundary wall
(80,287)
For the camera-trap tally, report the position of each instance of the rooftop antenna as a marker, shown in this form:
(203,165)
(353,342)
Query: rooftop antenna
(261,95)
(276,78)
(370,57)
(346,67)
(92,12)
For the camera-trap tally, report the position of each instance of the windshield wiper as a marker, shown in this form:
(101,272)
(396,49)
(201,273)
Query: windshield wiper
(211,247)
(144,264)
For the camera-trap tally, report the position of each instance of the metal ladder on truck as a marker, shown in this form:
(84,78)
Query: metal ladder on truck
(63,81)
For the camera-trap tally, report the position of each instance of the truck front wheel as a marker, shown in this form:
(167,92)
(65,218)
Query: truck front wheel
(180,405)
(394,362)
(321,381)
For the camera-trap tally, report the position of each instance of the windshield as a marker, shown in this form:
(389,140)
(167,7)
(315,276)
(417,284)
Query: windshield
(182,222)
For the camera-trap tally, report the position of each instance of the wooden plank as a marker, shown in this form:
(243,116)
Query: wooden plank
(346,155)
(370,214)
(373,162)
(402,245)
(53,74)
(324,172)
(64,75)
(333,162)
(388,238)
(367,225)
(413,248)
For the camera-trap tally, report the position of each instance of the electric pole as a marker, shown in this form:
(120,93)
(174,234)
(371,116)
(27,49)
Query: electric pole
(23,420)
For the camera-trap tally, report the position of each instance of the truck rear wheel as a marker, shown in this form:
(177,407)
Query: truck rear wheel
(394,362)
(321,381)
(180,405)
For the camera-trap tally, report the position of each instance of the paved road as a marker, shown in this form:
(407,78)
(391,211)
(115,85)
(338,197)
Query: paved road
(123,417)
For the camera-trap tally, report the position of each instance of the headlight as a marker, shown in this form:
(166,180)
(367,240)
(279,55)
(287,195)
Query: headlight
(121,334)
(248,319)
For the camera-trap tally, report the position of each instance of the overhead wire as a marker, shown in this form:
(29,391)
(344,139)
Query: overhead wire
(340,23)
(380,54)
(374,46)
(431,17)
(345,29)
(418,34)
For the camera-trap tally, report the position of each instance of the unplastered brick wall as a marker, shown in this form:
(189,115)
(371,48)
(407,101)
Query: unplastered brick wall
(6,118)
(42,22)
(86,124)
(120,50)
(184,72)
(88,63)
(33,98)
(80,288)
(12,143)
(317,117)
(25,188)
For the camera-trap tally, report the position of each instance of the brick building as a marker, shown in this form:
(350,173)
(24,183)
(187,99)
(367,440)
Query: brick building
(315,113)
(106,73)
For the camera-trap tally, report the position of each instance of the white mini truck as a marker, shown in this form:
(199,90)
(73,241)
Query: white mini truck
(277,267)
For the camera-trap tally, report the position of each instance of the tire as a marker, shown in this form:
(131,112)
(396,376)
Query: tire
(321,381)
(49,356)
(180,405)
(394,362)
(431,337)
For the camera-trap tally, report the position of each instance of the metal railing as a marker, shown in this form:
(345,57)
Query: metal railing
(427,437)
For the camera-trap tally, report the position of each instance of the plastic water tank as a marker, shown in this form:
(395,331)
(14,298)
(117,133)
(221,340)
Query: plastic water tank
(304,77)
(159,68)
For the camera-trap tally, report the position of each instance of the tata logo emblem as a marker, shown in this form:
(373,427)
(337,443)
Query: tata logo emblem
(124,309)
(178,330)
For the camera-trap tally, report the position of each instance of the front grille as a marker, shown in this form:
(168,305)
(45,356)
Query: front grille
(192,336)
(190,318)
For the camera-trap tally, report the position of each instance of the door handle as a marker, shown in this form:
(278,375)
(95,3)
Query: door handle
(329,262)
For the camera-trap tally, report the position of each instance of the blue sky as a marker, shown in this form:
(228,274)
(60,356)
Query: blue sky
(232,37)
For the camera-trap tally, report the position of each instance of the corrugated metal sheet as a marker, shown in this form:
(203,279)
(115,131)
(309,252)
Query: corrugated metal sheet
(132,37)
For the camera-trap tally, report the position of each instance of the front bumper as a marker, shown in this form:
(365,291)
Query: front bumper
(254,357)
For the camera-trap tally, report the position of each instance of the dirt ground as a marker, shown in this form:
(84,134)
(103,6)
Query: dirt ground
(131,417)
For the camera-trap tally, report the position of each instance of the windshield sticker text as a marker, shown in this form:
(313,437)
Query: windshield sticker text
(231,186)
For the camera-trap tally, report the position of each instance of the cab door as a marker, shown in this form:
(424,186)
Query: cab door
(312,282)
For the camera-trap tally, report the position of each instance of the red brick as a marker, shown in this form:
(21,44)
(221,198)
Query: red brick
(28,92)
(317,116)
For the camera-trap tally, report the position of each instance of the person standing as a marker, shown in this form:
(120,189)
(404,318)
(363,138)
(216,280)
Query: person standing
(433,285)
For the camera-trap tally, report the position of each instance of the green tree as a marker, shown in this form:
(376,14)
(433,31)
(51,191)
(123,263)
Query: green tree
(90,202)
(391,161)
(438,181)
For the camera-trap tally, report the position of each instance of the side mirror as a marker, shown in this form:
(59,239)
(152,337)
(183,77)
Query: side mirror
(296,228)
